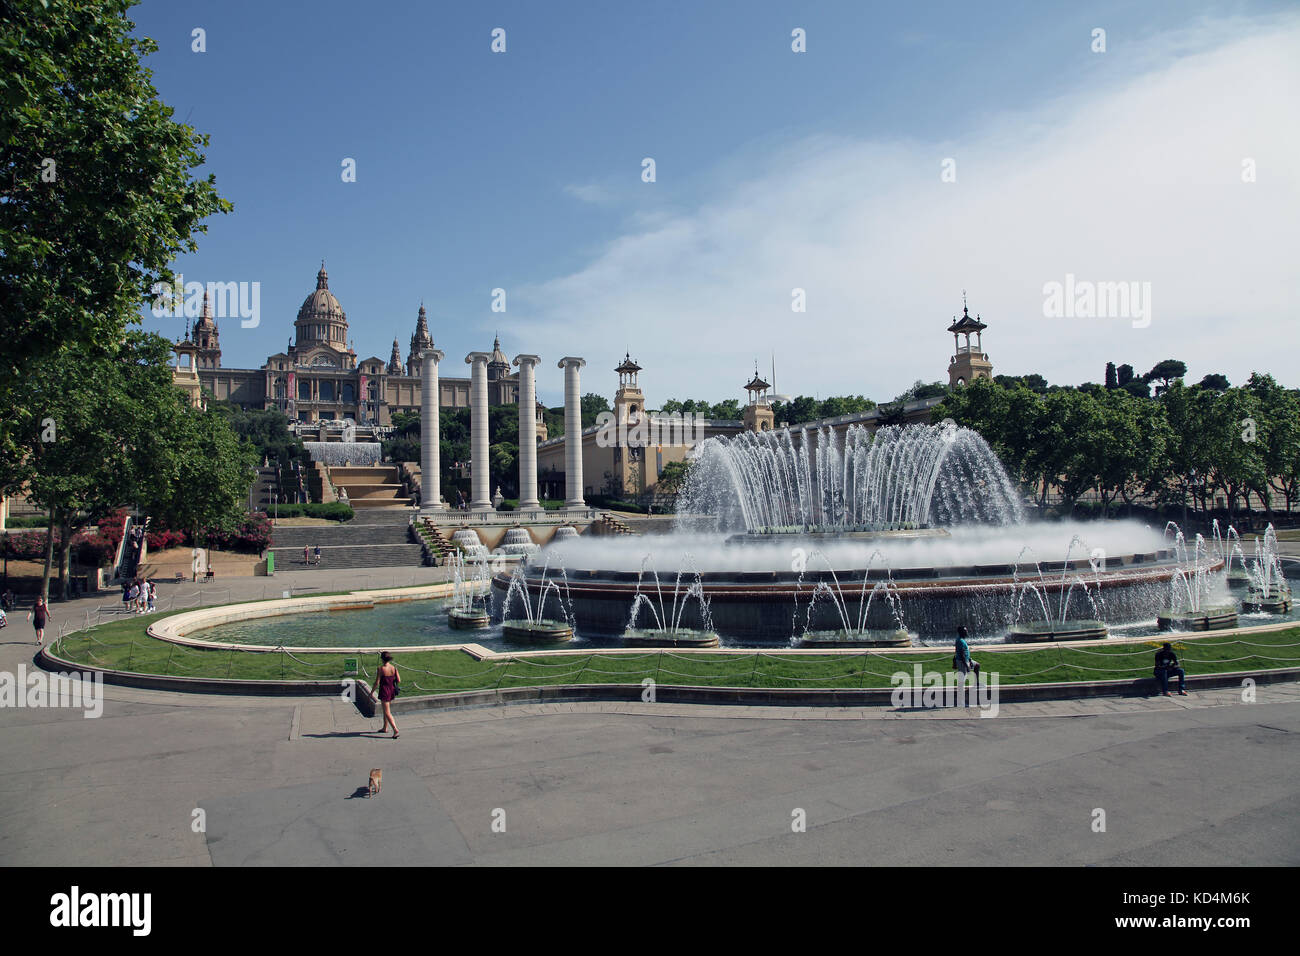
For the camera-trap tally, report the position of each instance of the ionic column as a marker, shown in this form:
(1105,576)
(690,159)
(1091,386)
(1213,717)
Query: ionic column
(527,431)
(572,432)
(480,493)
(430,460)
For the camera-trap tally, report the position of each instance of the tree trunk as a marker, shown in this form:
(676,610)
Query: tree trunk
(65,558)
(49,558)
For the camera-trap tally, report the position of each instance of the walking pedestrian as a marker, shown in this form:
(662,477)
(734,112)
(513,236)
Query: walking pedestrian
(39,615)
(318,554)
(306,554)
(388,681)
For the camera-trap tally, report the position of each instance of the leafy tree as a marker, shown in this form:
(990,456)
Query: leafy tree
(121,432)
(1215,381)
(847,405)
(1137,387)
(1236,463)
(268,432)
(1278,431)
(206,471)
(672,479)
(593,405)
(554,420)
(1112,377)
(798,410)
(96,193)
(1165,372)
(1123,375)
(726,411)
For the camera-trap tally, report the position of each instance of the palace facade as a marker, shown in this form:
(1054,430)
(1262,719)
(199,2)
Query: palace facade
(319,377)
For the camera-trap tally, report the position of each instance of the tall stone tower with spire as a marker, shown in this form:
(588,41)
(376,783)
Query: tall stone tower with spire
(395,360)
(968,362)
(421,341)
(206,342)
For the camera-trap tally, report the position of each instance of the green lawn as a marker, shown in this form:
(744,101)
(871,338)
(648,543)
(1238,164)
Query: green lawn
(124,645)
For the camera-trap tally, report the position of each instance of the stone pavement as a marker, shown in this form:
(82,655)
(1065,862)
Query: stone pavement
(1206,779)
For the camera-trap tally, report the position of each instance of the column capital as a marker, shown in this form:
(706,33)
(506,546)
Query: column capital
(530,359)
(473,357)
(570,360)
(437,355)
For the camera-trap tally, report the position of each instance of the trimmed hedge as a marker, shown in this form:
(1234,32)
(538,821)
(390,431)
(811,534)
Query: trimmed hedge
(334,511)
(614,504)
(26,521)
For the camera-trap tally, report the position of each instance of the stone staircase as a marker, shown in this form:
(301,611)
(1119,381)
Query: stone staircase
(373,539)
(437,543)
(263,492)
(379,486)
(609,524)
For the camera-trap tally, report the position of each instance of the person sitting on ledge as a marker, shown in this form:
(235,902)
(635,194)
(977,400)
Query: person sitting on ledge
(1167,665)
(961,658)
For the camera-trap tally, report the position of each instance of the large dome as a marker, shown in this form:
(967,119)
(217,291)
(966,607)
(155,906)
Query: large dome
(321,318)
(321,304)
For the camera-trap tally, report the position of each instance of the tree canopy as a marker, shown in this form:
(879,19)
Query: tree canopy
(97,195)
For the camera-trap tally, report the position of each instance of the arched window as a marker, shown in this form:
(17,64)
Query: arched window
(349,392)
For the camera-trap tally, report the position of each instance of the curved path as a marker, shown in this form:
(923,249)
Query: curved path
(1201,780)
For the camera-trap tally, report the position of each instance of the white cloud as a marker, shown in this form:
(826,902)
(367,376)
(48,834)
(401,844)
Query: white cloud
(1136,180)
(590,192)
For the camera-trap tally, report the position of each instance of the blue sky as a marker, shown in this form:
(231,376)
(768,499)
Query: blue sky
(775,170)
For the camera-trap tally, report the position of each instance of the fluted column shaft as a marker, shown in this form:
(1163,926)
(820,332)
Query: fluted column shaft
(480,493)
(572,432)
(527,431)
(430,459)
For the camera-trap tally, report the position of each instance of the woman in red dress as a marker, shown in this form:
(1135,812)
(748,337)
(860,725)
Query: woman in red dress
(388,680)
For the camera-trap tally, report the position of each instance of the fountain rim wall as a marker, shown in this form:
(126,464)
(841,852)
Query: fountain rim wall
(1139,567)
(177,628)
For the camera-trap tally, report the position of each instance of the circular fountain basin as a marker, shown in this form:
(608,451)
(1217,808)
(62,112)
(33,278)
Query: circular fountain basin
(682,637)
(1217,617)
(1238,578)
(466,619)
(1277,601)
(873,637)
(1032,632)
(747,604)
(544,631)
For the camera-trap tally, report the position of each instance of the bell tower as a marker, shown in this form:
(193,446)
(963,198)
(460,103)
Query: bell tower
(629,402)
(969,362)
(758,415)
(206,340)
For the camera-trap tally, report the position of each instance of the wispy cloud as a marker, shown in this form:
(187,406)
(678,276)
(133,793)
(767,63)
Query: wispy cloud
(590,192)
(1137,180)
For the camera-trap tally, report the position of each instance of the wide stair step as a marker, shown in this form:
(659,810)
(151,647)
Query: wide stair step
(299,537)
(334,557)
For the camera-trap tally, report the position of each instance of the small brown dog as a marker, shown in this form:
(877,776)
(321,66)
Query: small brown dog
(376,781)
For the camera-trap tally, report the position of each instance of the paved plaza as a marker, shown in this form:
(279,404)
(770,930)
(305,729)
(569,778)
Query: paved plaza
(1199,780)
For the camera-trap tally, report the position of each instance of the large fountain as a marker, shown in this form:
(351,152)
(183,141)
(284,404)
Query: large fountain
(853,538)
